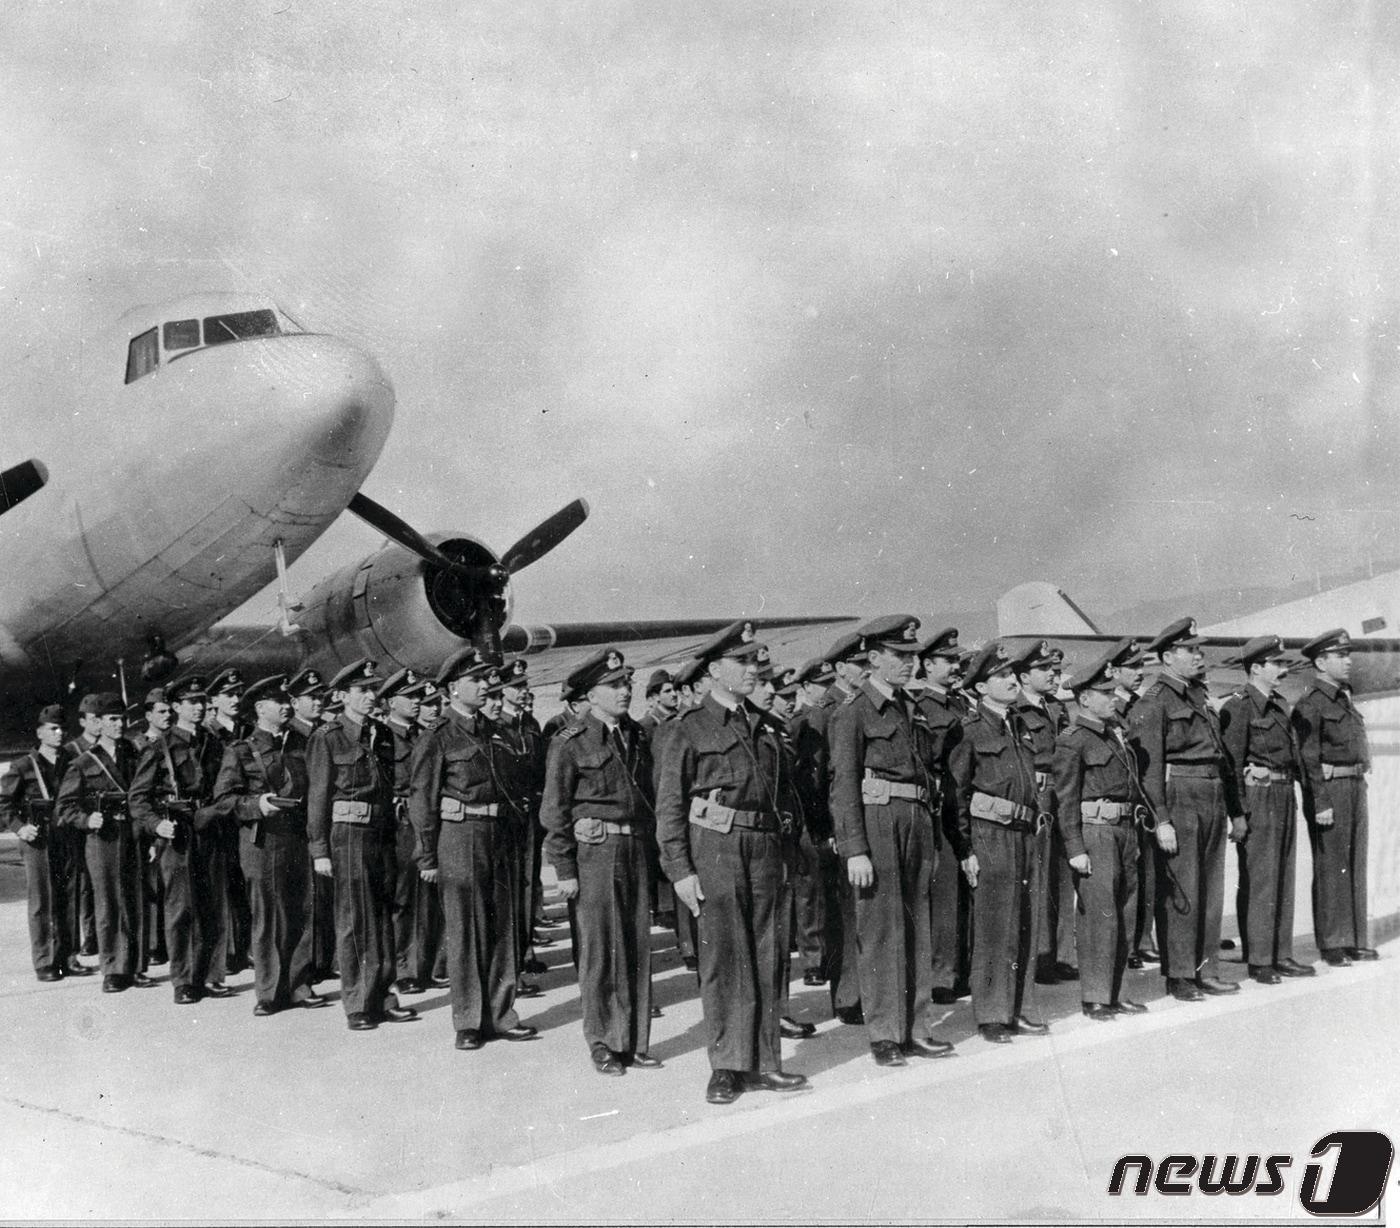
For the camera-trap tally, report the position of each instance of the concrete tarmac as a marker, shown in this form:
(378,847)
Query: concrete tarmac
(127,1106)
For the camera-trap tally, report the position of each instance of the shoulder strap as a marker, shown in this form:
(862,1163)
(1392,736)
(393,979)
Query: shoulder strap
(39,778)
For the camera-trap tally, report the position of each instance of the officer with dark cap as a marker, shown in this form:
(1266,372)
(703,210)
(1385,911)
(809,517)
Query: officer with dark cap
(662,698)
(846,658)
(225,722)
(993,771)
(262,786)
(663,703)
(307,689)
(1042,716)
(350,824)
(884,798)
(596,813)
(1336,758)
(171,798)
(1191,788)
(93,797)
(28,797)
(1126,668)
(525,747)
(719,822)
(80,911)
(158,717)
(457,801)
(1259,735)
(1100,802)
(950,899)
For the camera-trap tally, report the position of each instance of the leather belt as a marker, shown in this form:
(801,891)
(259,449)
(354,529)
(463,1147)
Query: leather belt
(454,811)
(875,791)
(1263,774)
(706,812)
(1102,810)
(1334,771)
(1002,811)
(1193,771)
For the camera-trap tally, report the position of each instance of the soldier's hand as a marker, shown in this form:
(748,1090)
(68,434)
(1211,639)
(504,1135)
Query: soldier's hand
(95,821)
(1166,838)
(1080,865)
(165,829)
(1239,828)
(28,833)
(861,871)
(1324,818)
(568,888)
(322,866)
(970,869)
(688,893)
(265,805)
(429,876)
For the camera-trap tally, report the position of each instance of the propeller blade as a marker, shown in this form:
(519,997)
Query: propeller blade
(540,540)
(20,481)
(377,516)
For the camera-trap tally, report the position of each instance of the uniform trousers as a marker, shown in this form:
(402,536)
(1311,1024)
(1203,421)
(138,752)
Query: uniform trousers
(238,917)
(273,855)
(1144,936)
(46,881)
(893,937)
(1038,885)
(1339,866)
(320,925)
(153,893)
(192,872)
(476,882)
(1107,909)
(810,892)
(116,895)
(612,917)
(1057,938)
(741,876)
(1191,882)
(947,915)
(1003,921)
(1267,855)
(842,952)
(526,845)
(70,843)
(417,912)
(363,869)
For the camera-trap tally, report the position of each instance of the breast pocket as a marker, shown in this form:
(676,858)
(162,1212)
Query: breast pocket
(1097,755)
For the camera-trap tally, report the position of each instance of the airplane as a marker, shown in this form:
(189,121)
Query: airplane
(1038,609)
(210,441)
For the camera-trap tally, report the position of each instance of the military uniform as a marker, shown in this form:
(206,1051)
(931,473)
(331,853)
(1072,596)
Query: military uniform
(597,819)
(320,891)
(815,892)
(350,820)
(1259,736)
(98,781)
(1052,938)
(273,848)
(1099,802)
(1189,782)
(238,916)
(80,899)
(993,771)
(459,811)
(28,795)
(1332,741)
(175,780)
(718,812)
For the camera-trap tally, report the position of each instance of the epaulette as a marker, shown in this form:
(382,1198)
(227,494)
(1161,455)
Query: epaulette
(569,731)
(850,699)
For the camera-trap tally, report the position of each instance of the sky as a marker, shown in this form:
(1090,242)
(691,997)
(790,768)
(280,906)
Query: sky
(825,308)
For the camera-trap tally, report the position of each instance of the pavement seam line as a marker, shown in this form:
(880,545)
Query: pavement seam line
(497,1182)
(207,1153)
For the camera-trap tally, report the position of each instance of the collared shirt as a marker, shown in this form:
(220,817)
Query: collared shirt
(989,758)
(1092,762)
(1330,730)
(1257,729)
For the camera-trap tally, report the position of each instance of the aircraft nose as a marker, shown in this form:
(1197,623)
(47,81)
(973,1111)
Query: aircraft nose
(335,396)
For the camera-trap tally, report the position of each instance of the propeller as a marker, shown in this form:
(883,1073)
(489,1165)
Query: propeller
(20,481)
(377,516)
(540,540)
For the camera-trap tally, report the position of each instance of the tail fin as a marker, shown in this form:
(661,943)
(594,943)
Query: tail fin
(1038,608)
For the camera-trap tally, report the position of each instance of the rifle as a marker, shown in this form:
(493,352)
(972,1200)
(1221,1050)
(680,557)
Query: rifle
(112,803)
(39,812)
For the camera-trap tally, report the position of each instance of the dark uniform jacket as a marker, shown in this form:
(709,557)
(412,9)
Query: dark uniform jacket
(1330,730)
(404,737)
(1093,762)
(888,738)
(1042,722)
(590,776)
(195,758)
(263,763)
(96,780)
(1172,723)
(346,762)
(523,761)
(28,781)
(993,756)
(1258,729)
(458,759)
(712,752)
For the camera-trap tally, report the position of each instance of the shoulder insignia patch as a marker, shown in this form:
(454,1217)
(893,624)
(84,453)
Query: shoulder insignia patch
(569,731)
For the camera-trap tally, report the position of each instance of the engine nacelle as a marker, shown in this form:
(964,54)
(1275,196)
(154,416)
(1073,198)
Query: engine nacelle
(401,611)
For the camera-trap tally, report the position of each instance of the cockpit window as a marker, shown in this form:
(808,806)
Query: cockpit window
(142,356)
(181,334)
(239,326)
